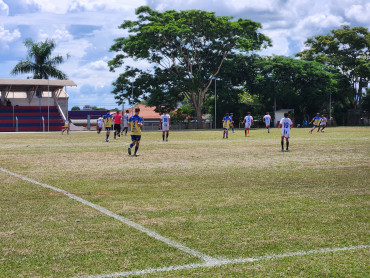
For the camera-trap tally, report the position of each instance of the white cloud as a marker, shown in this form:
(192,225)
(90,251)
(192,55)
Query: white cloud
(8,36)
(61,7)
(57,33)
(359,13)
(4,8)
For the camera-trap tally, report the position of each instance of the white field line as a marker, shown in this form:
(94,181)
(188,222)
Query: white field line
(217,263)
(124,220)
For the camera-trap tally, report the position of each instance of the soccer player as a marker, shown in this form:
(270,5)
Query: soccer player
(316,122)
(99,125)
(67,126)
(232,122)
(117,124)
(286,124)
(135,123)
(126,117)
(108,119)
(323,122)
(165,121)
(248,120)
(226,125)
(267,121)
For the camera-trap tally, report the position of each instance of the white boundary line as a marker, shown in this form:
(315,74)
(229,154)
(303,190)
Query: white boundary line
(209,261)
(122,219)
(224,262)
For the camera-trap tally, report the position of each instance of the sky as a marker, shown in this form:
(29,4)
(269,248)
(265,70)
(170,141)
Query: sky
(85,29)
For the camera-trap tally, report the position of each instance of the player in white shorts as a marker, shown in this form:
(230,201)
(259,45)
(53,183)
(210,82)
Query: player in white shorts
(286,124)
(267,121)
(323,122)
(165,121)
(248,120)
(125,119)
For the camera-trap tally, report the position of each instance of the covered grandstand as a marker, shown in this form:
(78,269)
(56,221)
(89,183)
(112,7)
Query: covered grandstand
(33,104)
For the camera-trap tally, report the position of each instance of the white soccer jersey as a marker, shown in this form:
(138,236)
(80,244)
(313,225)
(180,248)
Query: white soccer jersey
(248,121)
(125,119)
(100,121)
(323,121)
(165,118)
(267,119)
(285,127)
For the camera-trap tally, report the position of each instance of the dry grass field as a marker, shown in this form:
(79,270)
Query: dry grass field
(196,206)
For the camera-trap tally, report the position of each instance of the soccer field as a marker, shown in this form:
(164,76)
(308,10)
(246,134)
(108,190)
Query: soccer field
(196,206)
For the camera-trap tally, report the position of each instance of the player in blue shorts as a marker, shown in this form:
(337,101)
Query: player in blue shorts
(316,122)
(108,119)
(135,123)
(226,121)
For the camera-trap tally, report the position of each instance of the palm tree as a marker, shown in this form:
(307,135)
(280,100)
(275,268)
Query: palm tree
(39,61)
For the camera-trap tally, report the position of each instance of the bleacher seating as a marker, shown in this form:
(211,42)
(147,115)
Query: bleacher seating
(30,118)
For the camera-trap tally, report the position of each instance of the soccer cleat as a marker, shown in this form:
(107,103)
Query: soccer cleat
(287,150)
(282,150)
(135,155)
(129,151)
(106,140)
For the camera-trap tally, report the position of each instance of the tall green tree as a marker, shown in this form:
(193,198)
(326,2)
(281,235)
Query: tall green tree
(283,82)
(348,50)
(187,50)
(40,62)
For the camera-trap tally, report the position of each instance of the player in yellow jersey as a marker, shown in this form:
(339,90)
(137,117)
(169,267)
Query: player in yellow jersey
(135,123)
(316,122)
(67,126)
(108,120)
(226,121)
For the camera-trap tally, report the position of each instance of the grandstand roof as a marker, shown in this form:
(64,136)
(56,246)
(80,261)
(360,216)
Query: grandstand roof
(22,85)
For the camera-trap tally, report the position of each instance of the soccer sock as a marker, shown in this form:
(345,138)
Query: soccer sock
(163,137)
(107,136)
(287,145)
(248,131)
(131,145)
(282,145)
(245,131)
(167,136)
(136,148)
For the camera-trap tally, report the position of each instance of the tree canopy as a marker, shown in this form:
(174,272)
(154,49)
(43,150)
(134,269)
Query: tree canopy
(40,62)
(348,50)
(187,50)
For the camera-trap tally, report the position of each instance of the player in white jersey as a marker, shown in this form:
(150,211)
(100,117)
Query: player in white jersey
(125,119)
(99,125)
(323,122)
(286,124)
(165,121)
(248,120)
(267,121)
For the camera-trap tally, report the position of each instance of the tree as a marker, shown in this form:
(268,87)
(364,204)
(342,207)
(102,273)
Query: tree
(75,108)
(284,82)
(187,50)
(39,61)
(348,50)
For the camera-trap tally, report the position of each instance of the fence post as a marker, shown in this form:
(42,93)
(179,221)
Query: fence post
(88,122)
(43,124)
(16,124)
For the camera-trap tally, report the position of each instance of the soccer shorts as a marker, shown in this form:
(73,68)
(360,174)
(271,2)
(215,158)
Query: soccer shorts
(226,129)
(125,124)
(135,138)
(108,128)
(267,124)
(285,132)
(247,126)
(117,127)
(165,127)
